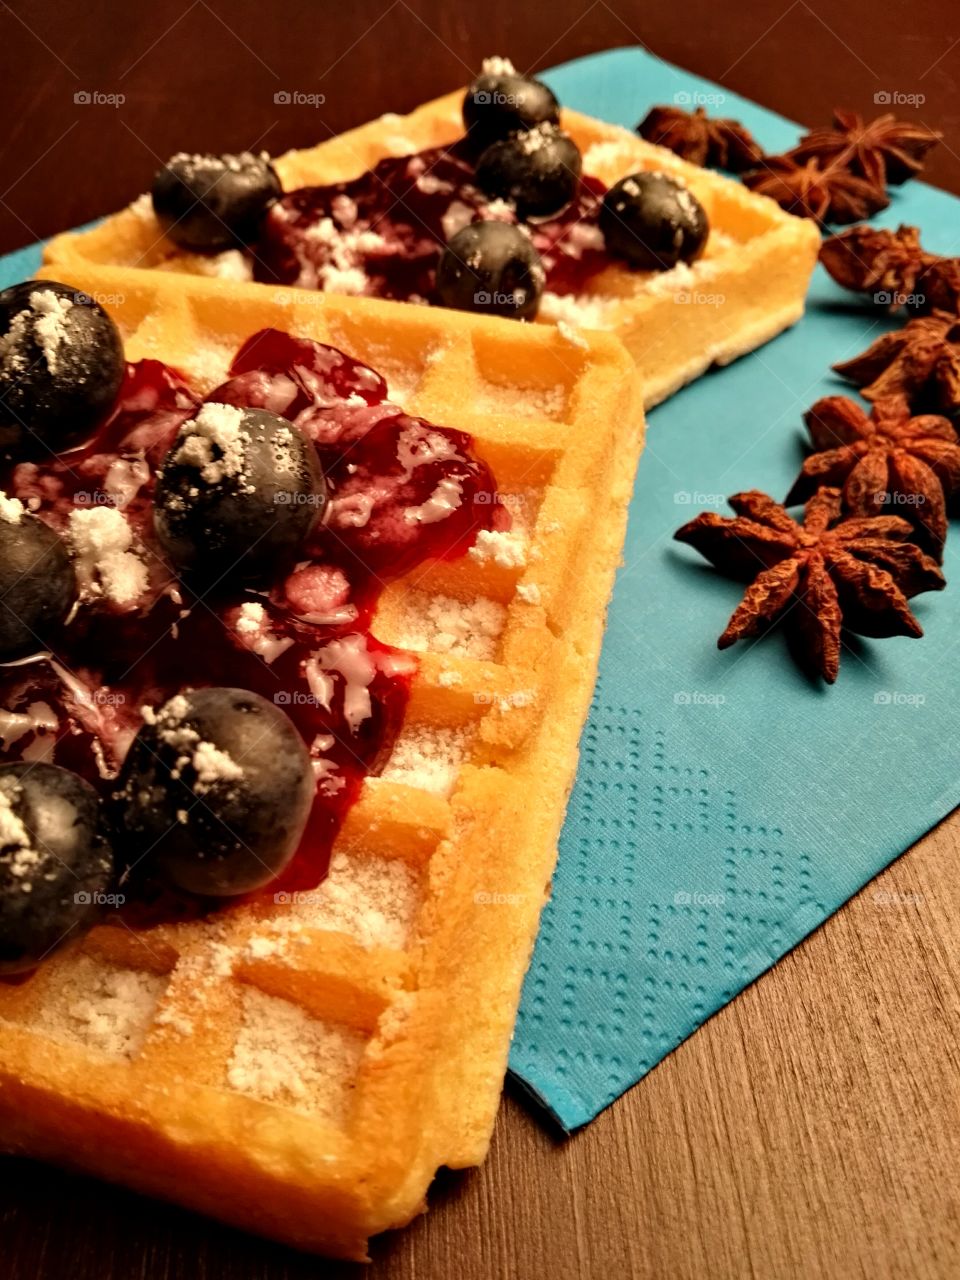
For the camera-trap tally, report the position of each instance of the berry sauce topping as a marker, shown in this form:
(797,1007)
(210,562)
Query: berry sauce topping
(383,233)
(385,491)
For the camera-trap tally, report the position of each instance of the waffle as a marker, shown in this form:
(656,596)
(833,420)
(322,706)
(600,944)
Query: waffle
(749,285)
(302,1068)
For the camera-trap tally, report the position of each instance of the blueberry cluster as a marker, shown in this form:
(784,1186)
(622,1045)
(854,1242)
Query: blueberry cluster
(522,161)
(524,158)
(217,787)
(215,791)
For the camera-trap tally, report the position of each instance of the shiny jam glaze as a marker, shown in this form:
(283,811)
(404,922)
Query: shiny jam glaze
(402,492)
(392,223)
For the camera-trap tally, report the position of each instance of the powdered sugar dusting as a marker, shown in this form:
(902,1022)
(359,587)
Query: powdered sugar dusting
(210,765)
(105,561)
(572,335)
(370,898)
(17,854)
(213,442)
(521,401)
(443,624)
(428,758)
(342,269)
(100,1006)
(586,311)
(11,509)
(283,1055)
(254,631)
(45,322)
(508,550)
(51,311)
(232,264)
(497,66)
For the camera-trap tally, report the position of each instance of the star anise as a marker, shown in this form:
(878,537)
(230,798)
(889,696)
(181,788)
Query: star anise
(894,267)
(720,143)
(868,260)
(831,194)
(818,576)
(886,150)
(920,363)
(940,286)
(890,460)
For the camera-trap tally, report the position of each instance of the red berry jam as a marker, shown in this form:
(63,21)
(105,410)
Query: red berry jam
(402,492)
(382,233)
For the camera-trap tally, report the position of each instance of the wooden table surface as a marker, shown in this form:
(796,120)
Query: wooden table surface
(812,1128)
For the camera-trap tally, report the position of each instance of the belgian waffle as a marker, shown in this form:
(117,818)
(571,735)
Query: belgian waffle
(301,1068)
(749,285)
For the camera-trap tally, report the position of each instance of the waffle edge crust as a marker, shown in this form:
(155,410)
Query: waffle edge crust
(308,1085)
(749,285)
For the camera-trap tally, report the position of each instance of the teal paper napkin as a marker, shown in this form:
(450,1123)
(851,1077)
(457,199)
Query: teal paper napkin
(725,805)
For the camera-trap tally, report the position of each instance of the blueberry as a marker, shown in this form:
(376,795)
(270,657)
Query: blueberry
(653,221)
(539,171)
(216,791)
(491,267)
(237,494)
(496,105)
(37,582)
(55,861)
(61,364)
(209,203)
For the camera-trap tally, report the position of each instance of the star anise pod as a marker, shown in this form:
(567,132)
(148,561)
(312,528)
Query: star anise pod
(868,260)
(920,363)
(891,460)
(939,286)
(818,576)
(894,267)
(720,143)
(832,194)
(885,150)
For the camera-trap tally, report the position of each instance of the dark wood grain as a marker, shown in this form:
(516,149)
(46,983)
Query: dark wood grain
(811,1128)
(199,75)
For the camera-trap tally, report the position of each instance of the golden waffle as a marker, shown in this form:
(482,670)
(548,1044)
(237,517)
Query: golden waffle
(749,285)
(302,1068)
